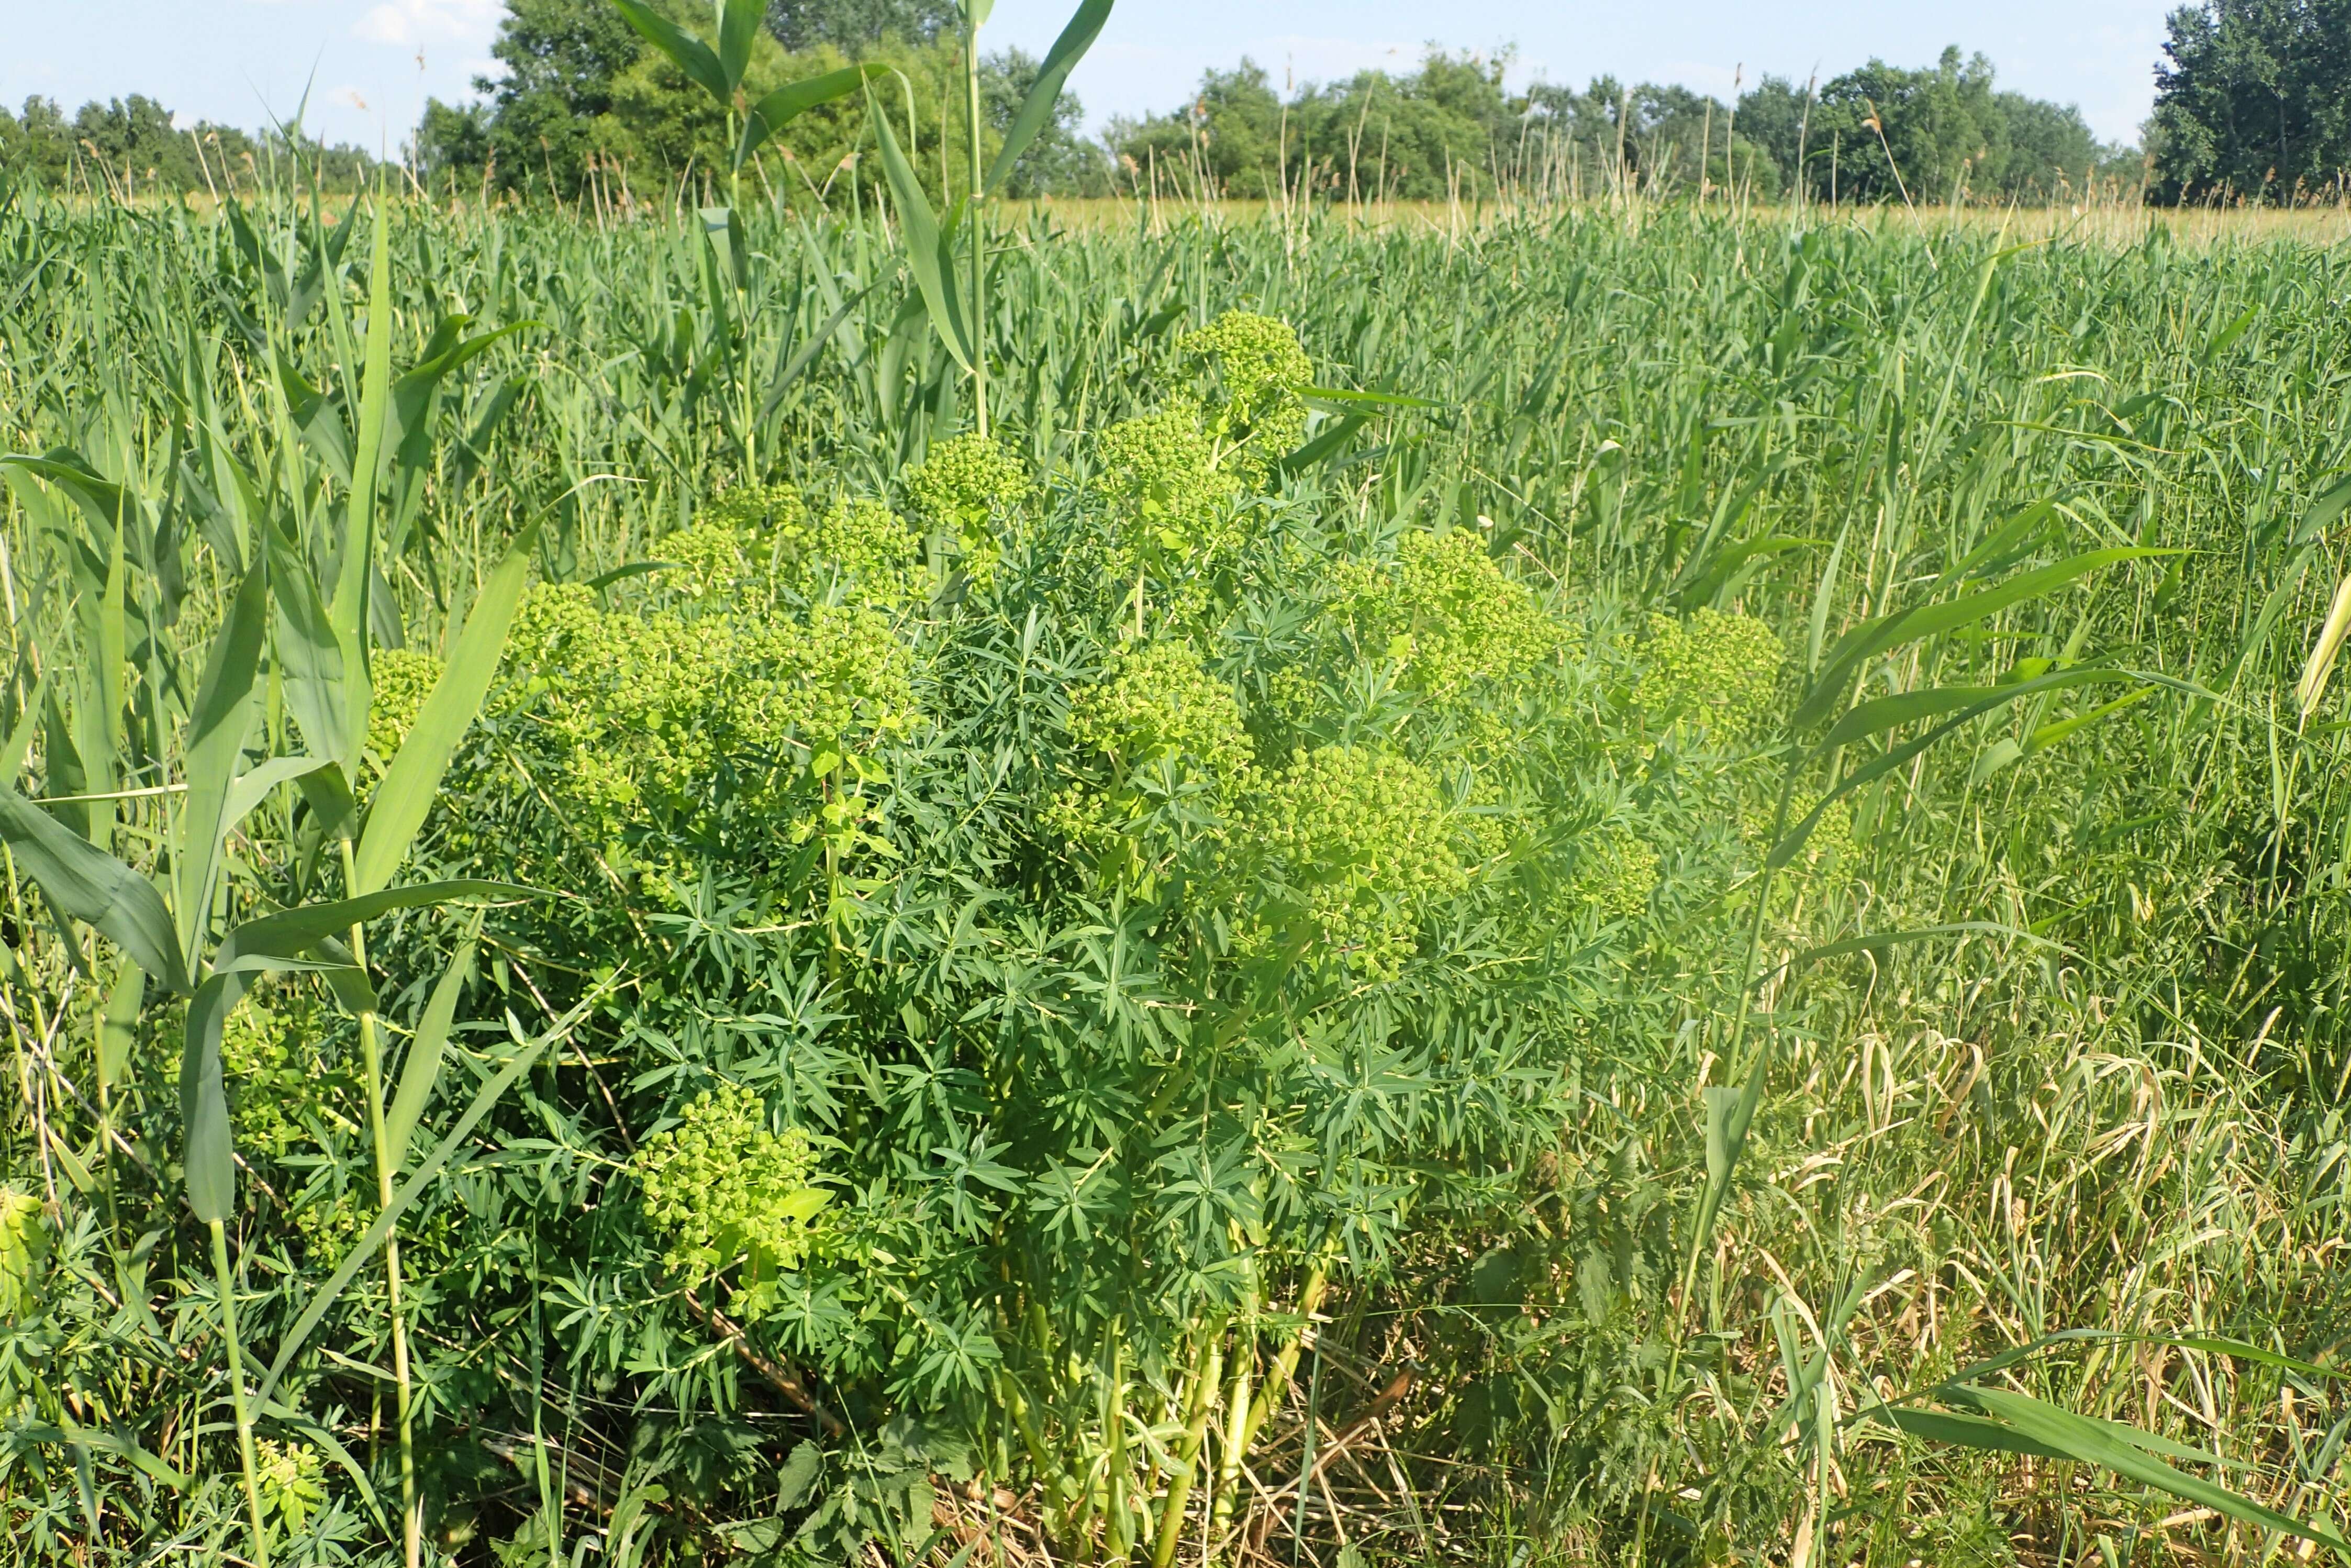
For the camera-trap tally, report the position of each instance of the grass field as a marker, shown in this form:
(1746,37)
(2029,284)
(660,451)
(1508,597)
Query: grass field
(1589,888)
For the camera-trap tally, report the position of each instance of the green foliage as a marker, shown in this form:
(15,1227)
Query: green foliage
(2250,103)
(1366,939)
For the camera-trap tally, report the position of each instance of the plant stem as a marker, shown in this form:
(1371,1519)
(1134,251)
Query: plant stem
(227,1290)
(978,236)
(412,1526)
(1187,1457)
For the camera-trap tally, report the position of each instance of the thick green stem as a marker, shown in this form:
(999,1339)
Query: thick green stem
(227,1287)
(412,1515)
(1197,1408)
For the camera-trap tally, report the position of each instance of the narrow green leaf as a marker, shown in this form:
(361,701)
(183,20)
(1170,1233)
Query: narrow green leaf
(1880,714)
(1083,28)
(291,933)
(927,250)
(309,656)
(422,1069)
(689,54)
(786,104)
(210,746)
(118,1029)
(94,887)
(208,1155)
(2049,735)
(414,779)
(1920,622)
(2091,1442)
(251,789)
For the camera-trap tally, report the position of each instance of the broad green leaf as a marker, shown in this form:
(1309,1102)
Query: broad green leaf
(927,249)
(1886,632)
(118,1028)
(786,104)
(208,1154)
(92,886)
(422,1069)
(20,740)
(689,54)
(354,578)
(1085,25)
(406,792)
(210,746)
(738,24)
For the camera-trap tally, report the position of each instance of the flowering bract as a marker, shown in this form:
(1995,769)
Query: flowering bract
(722,1190)
(1363,838)
(1261,365)
(973,490)
(1717,668)
(1168,735)
(402,679)
(1445,615)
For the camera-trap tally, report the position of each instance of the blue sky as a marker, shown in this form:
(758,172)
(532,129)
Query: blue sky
(240,61)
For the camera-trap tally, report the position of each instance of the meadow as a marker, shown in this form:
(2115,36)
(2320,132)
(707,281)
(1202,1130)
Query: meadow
(1592,886)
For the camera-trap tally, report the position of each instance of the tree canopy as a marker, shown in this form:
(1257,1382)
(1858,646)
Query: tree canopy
(2253,101)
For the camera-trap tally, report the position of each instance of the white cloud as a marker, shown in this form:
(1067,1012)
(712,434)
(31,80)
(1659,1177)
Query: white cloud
(419,22)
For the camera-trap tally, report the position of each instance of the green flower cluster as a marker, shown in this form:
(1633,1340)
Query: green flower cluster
(1157,475)
(1446,616)
(722,1190)
(1717,668)
(291,1478)
(403,678)
(24,1244)
(270,1074)
(1364,839)
(1160,701)
(1614,871)
(1159,721)
(972,489)
(1261,365)
(766,532)
(641,712)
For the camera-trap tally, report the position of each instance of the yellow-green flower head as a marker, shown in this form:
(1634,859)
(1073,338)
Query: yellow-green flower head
(1161,703)
(1158,474)
(1446,615)
(1615,871)
(720,1189)
(289,1480)
(1260,365)
(974,490)
(1717,668)
(640,710)
(1365,837)
(402,679)
(860,546)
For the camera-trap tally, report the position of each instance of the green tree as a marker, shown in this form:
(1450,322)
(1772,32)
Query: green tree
(561,59)
(2253,99)
(1061,161)
(853,27)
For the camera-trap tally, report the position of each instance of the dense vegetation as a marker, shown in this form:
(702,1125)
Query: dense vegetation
(1550,892)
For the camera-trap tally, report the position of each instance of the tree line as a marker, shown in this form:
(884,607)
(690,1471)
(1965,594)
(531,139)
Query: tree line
(2253,104)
